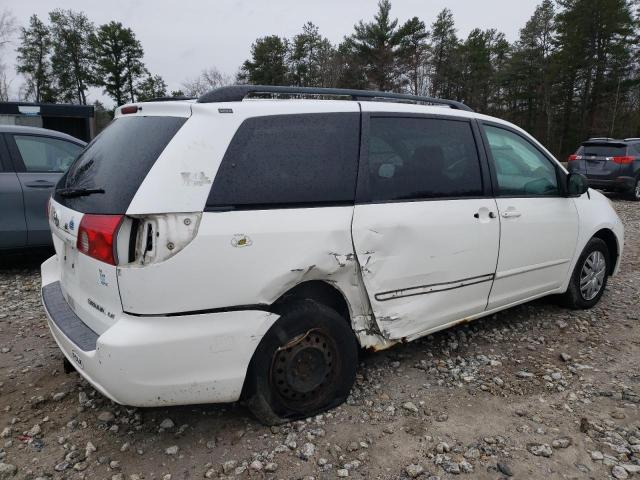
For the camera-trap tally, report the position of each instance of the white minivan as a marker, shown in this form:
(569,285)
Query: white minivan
(247,244)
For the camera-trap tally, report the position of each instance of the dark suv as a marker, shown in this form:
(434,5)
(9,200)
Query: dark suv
(610,164)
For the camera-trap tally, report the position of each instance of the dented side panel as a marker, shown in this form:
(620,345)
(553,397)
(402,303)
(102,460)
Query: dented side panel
(425,264)
(250,258)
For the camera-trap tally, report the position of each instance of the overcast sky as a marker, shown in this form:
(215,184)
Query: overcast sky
(180,38)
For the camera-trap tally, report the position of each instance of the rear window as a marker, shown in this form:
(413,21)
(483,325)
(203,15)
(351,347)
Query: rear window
(603,150)
(117,161)
(282,161)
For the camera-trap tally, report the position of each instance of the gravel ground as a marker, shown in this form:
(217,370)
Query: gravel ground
(533,392)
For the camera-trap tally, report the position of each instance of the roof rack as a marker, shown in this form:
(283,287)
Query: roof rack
(166,99)
(632,139)
(607,139)
(237,93)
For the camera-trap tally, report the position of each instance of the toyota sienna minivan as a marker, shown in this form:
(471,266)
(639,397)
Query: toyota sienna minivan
(246,245)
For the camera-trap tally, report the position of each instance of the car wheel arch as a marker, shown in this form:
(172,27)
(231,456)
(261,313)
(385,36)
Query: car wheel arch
(319,291)
(609,237)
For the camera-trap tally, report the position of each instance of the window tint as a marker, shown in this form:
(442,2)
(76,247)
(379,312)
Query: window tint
(45,154)
(600,150)
(415,158)
(521,169)
(117,161)
(289,160)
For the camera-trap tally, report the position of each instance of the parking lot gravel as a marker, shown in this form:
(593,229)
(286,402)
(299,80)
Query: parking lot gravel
(537,391)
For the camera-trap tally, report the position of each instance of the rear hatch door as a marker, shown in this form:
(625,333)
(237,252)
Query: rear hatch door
(89,285)
(598,159)
(110,170)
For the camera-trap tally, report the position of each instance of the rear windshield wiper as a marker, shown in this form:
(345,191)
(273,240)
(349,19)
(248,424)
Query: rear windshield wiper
(78,192)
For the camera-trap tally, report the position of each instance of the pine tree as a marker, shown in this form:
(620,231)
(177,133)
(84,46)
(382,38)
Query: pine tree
(444,48)
(377,45)
(310,58)
(413,53)
(268,62)
(594,52)
(33,61)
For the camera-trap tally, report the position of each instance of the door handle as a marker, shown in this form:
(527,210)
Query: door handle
(490,214)
(40,184)
(511,214)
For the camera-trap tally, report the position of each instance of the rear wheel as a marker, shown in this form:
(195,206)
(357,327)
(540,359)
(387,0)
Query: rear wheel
(634,193)
(304,365)
(590,275)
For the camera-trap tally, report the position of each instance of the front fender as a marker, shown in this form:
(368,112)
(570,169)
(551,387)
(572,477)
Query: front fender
(596,213)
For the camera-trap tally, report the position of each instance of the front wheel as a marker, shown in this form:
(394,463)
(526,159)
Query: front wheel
(304,365)
(589,278)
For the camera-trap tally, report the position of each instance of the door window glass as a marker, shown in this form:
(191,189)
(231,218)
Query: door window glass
(422,158)
(521,169)
(289,161)
(44,154)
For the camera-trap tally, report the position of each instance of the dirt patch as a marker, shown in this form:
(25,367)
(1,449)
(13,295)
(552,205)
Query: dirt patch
(536,392)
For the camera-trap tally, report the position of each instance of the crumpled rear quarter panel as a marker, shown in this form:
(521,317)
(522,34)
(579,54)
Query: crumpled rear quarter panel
(245,258)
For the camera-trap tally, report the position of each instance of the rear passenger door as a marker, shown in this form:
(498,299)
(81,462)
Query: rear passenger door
(40,161)
(425,225)
(13,228)
(539,224)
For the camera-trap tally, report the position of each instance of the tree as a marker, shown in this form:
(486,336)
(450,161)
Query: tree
(594,41)
(102,116)
(311,58)
(7,28)
(413,54)
(208,79)
(33,61)
(153,86)
(481,59)
(350,68)
(529,77)
(118,66)
(444,46)
(72,57)
(377,44)
(268,64)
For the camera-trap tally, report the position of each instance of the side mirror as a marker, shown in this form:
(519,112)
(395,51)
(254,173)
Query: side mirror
(577,184)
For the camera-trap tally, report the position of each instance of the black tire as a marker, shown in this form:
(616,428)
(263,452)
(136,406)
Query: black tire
(634,193)
(304,365)
(574,297)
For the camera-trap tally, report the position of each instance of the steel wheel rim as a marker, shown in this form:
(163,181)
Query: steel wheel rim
(638,189)
(304,368)
(592,275)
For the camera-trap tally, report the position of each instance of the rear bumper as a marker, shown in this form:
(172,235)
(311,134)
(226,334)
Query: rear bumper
(616,184)
(155,361)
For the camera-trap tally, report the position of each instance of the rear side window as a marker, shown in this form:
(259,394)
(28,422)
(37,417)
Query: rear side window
(45,154)
(289,161)
(600,150)
(117,161)
(421,158)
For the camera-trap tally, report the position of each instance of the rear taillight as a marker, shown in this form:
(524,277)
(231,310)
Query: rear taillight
(626,160)
(574,157)
(97,236)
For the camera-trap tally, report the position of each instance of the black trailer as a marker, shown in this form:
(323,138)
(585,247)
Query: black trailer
(75,120)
